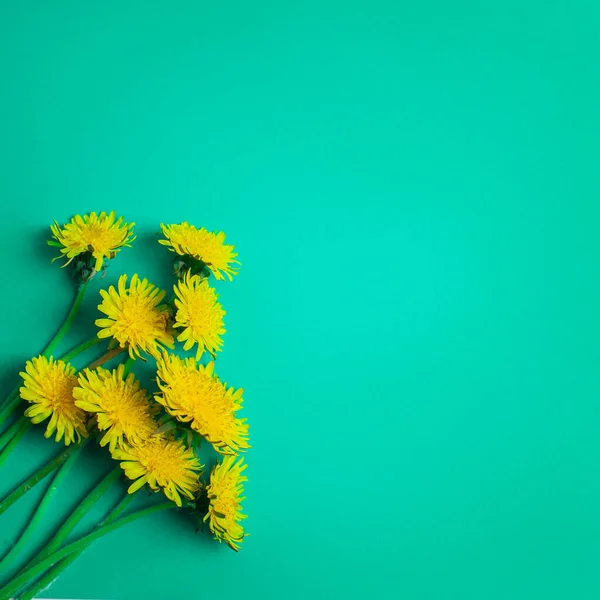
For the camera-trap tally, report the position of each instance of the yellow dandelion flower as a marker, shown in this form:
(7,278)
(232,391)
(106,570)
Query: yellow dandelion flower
(192,393)
(225,495)
(101,235)
(199,313)
(48,386)
(162,464)
(136,319)
(121,406)
(206,246)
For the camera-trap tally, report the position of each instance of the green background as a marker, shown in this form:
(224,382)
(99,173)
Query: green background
(413,191)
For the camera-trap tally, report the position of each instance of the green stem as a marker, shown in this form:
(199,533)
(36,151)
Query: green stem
(128,364)
(34,479)
(13,393)
(62,472)
(33,590)
(81,348)
(118,510)
(80,512)
(60,334)
(10,432)
(23,427)
(36,570)
(11,401)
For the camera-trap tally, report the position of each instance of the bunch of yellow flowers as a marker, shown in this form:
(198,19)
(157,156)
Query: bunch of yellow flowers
(154,436)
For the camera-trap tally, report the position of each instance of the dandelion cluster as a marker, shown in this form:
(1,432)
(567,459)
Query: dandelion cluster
(153,432)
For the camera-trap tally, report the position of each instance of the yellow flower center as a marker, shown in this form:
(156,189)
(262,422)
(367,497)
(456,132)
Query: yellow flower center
(210,249)
(211,409)
(226,505)
(97,237)
(57,387)
(164,462)
(198,313)
(125,414)
(203,400)
(136,320)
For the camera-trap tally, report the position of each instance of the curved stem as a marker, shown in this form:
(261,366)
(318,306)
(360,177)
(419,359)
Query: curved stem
(11,401)
(13,393)
(81,348)
(118,510)
(34,479)
(10,432)
(33,590)
(41,509)
(106,357)
(36,570)
(128,365)
(23,427)
(60,334)
(83,508)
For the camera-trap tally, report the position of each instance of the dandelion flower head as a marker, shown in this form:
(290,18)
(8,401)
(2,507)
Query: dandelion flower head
(192,393)
(199,314)
(101,235)
(163,464)
(121,406)
(200,244)
(134,317)
(225,494)
(48,386)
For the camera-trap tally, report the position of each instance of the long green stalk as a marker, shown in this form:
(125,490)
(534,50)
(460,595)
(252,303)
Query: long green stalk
(34,479)
(60,334)
(33,590)
(81,348)
(37,569)
(24,425)
(128,364)
(13,394)
(10,432)
(11,402)
(95,494)
(62,472)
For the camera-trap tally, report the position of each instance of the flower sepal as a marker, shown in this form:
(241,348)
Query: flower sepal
(184,265)
(84,268)
(199,509)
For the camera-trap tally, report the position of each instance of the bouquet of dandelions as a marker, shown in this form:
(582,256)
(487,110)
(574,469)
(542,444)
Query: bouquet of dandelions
(153,436)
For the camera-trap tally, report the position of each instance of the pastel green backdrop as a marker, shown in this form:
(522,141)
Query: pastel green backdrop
(413,191)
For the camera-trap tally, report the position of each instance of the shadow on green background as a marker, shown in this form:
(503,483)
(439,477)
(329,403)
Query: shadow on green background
(413,191)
